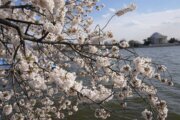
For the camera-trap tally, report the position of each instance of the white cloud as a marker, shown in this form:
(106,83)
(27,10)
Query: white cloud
(106,15)
(109,13)
(112,10)
(139,26)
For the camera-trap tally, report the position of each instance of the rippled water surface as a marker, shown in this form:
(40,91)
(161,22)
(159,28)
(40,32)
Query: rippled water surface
(169,56)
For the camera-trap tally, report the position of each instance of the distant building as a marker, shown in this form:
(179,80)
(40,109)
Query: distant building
(158,38)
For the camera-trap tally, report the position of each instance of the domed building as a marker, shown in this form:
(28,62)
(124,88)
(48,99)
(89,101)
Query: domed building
(158,38)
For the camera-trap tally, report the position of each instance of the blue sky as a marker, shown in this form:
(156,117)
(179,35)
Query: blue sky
(143,5)
(150,16)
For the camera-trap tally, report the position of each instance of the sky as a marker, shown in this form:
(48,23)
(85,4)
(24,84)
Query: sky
(151,16)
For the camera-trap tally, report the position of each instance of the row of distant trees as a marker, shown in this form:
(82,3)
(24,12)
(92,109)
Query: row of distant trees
(173,40)
(146,42)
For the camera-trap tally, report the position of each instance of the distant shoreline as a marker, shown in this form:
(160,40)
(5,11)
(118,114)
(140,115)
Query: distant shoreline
(158,45)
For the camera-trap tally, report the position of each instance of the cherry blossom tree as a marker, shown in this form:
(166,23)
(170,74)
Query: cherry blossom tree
(58,62)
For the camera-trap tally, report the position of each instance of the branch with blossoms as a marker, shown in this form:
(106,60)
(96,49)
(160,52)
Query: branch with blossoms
(58,63)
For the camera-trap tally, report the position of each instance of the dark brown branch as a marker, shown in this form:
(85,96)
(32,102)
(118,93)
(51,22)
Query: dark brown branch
(7,23)
(16,7)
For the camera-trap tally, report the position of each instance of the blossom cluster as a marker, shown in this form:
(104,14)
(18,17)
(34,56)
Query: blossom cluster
(58,63)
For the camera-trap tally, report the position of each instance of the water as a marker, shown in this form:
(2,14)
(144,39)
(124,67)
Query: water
(169,56)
